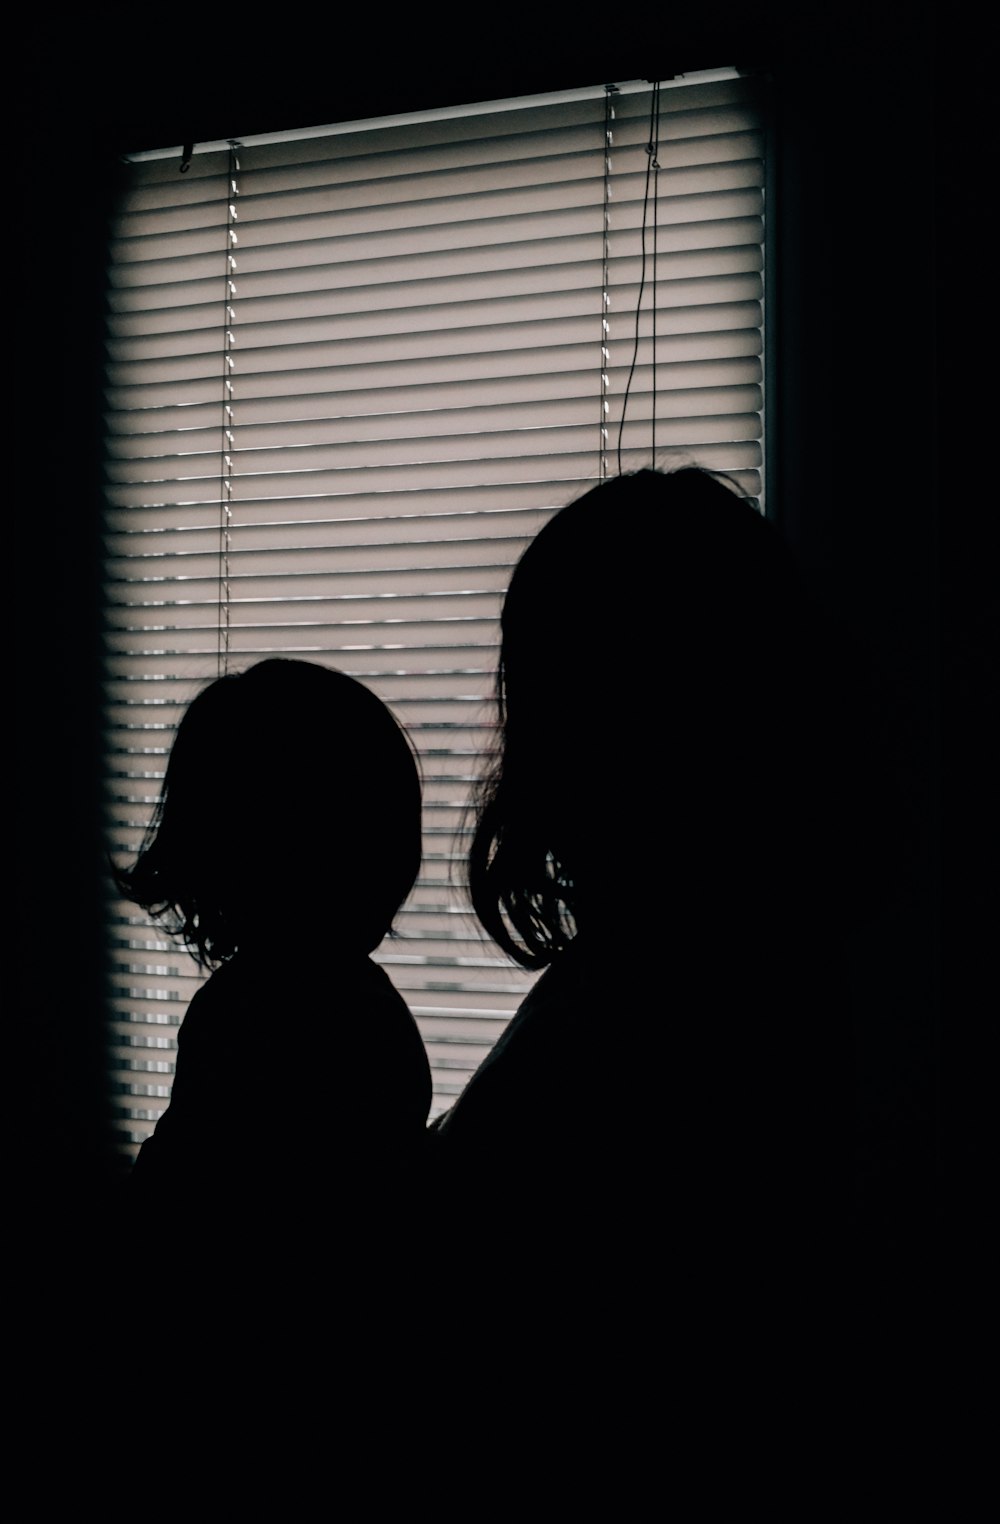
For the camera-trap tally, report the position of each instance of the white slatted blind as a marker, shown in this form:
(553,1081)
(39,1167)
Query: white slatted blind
(413,349)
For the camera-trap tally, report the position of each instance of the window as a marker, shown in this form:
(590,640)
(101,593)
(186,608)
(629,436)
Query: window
(350,373)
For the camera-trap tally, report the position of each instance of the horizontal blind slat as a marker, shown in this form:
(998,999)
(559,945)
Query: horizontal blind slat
(700,223)
(444,344)
(543,264)
(334,322)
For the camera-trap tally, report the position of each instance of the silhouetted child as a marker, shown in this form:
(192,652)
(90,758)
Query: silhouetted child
(285,840)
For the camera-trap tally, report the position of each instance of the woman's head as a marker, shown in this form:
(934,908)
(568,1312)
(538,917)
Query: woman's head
(290,809)
(648,661)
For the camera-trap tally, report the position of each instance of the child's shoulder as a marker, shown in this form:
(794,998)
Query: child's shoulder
(264,982)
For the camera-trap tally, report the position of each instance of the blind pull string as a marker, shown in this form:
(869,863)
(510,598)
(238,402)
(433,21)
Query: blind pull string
(652,173)
(610,91)
(653,151)
(228,438)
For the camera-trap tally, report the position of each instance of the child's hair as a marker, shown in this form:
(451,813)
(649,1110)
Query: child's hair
(290,806)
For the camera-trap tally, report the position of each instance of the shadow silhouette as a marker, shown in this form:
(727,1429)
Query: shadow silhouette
(673,831)
(286,838)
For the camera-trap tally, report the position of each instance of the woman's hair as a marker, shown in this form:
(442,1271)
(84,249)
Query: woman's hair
(290,809)
(651,678)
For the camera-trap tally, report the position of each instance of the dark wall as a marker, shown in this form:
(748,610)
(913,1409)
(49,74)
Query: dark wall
(878,209)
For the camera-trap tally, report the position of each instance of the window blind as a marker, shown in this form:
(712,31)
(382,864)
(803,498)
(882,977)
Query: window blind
(349,375)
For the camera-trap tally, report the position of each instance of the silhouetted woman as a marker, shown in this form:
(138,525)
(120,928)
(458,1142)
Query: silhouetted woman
(286,838)
(658,835)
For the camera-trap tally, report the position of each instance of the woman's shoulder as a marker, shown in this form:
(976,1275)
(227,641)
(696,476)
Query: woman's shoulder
(570,1005)
(550,1065)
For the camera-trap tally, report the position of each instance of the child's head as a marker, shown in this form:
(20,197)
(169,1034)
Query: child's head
(290,810)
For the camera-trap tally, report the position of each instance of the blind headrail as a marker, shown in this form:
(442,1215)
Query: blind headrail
(435,114)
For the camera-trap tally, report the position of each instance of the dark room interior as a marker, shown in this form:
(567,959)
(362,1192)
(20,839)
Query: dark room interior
(880,422)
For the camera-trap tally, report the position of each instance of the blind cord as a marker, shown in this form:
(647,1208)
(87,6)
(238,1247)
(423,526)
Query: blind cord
(228,440)
(609,116)
(653,151)
(652,173)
